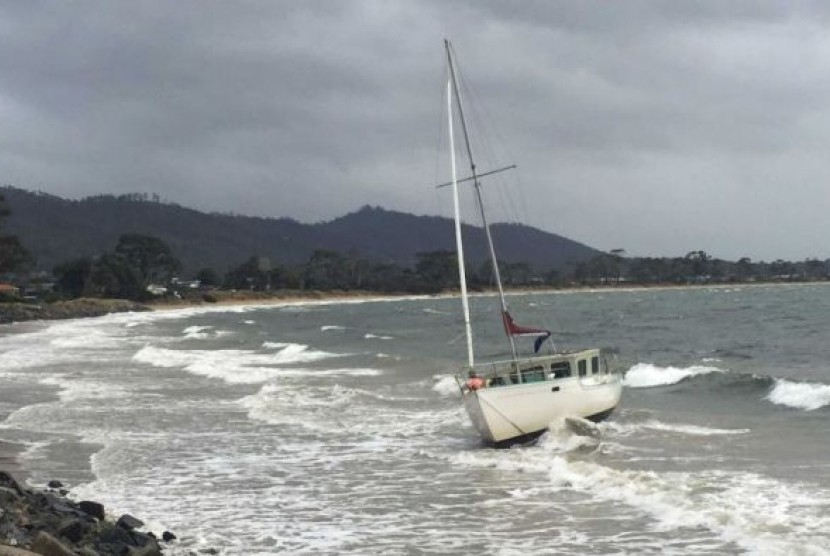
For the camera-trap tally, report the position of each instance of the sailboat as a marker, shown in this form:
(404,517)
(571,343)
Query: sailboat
(515,400)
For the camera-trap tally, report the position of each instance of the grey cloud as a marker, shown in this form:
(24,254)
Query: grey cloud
(660,127)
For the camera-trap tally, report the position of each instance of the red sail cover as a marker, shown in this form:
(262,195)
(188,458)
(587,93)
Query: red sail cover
(514,329)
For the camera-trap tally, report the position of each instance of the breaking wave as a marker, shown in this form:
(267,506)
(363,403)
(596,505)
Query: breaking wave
(646,375)
(233,365)
(800,395)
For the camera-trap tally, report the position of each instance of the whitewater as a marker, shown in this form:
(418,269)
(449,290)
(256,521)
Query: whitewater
(336,427)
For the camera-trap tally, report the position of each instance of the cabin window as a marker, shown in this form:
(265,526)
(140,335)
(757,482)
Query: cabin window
(582,365)
(594,365)
(561,369)
(533,374)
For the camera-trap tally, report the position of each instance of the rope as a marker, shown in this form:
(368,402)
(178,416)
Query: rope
(505,417)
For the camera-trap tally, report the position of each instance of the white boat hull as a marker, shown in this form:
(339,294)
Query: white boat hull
(513,413)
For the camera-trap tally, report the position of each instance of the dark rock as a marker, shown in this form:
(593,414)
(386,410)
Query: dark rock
(129,522)
(54,483)
(142,539)
(167,536)
(47,545)
(94,509)
(73,530)
(11,551)
(116,536)
(63,492)
(8,496)
(8,481)
(63,507)
(145,551)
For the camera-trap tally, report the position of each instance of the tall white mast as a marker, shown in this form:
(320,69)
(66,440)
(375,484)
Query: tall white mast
(462,275)
(494,262)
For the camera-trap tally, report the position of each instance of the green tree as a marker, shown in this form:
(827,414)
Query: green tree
(247,276)
(150,257)
(743,268)
(437,269)
(208,277)
(327,270)
(12,253)
(112,276)
(73,277)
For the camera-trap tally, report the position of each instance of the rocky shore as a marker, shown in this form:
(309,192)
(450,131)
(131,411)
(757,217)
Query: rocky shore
(47,523)
(76,308)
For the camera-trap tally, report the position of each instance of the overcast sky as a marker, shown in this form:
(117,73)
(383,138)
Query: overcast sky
(657,127)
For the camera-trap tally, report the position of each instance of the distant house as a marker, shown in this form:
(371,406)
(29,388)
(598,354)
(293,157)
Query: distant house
(9,290)
(155,289)
(191,284)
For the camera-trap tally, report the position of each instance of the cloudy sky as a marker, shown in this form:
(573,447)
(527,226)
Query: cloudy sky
(657,127)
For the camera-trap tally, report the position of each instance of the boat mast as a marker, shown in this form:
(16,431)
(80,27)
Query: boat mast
(462,275)
(474,177)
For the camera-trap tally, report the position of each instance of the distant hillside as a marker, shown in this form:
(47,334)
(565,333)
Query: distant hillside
(55,230)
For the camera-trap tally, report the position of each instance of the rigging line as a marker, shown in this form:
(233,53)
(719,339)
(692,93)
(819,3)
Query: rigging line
(503,416)
(511,200)
(484,132)
(440,139)
(477,188)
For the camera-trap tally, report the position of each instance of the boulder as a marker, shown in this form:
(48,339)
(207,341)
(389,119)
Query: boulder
(94,509)
(145,551)
(167,536)
(8,496)
(129,522)
(116,536)
(8,481)
(12,551)
(54,483)
(74,530)
(47,545)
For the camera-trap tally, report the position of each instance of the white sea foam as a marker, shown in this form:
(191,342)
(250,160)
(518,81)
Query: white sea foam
(330,327)
(561,438)
(197,332)
(275,345)
(230,365)
(370,336)
(329,372)
(758,513)
(331,409)
(800,395)
(445,385)
(73,389)
(626,429)
(645,375)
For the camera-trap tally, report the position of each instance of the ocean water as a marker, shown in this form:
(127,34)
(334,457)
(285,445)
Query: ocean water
(336,428)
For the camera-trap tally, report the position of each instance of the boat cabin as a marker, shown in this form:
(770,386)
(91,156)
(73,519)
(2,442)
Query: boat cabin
(583,364)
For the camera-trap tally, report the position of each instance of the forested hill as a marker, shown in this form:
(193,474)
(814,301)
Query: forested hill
(55,230)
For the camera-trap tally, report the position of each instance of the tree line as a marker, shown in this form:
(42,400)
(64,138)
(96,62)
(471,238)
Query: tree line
(138,261)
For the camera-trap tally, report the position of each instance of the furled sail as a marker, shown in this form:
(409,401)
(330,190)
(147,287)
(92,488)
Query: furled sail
(513,329)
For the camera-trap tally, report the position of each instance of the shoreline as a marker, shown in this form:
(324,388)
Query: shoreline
(11,313)
(47,521)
